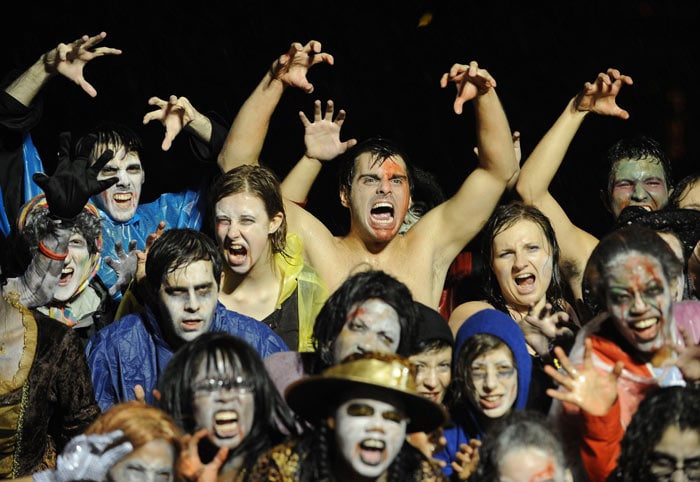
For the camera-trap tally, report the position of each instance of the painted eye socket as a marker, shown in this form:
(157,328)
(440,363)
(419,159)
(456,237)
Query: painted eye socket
(362,410)
(502,372)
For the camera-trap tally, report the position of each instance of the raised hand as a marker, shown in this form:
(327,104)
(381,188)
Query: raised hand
(542,326)
(587,388)
(70,59)
(175,114)
(190,465)
(470,82)
(467,459)
(124,265)
(600,96)
(429,444)
(322,136)
(687,357)
(291,67)
(75,180)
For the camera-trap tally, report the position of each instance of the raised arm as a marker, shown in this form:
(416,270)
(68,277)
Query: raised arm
(541,166)
(247,134)
(462,216)
(68,60)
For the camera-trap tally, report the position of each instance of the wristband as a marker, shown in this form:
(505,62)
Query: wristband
(50,254)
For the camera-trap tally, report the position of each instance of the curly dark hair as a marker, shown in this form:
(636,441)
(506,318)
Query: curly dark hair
(661,408)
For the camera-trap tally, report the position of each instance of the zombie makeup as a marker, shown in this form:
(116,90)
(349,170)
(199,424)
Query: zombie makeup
(187,300)
(152,462)
(639,299)
(530,464)
(369,434)
(494,386)
(77,270)
(121,200)
(223,402)
(372,325)
(638,183)
(380,196)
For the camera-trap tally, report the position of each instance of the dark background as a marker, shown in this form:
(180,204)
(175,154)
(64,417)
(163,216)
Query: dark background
(386,75)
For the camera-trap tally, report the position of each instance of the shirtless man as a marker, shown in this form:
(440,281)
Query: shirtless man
(377,191)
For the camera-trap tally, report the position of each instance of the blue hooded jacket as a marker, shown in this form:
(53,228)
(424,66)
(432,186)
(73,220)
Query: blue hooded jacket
(465,423)
(132,350)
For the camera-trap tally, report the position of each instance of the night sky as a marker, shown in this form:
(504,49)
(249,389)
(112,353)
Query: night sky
(386,75)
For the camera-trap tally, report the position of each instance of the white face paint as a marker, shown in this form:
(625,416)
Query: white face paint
(152,462)
(75,268)
(495,380)
(639,299)
(187,300)
(223,403)
(369,434)
(121,200)
(371,326)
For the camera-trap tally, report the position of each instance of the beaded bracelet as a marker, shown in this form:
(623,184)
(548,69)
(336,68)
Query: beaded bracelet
(50,254)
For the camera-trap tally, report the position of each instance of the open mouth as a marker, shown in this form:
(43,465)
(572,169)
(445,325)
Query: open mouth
(525,279)
(371,451)
(226,424)
(645,329)
(123,198)
(237,253)
(382,213)
(491,401)
(66,276)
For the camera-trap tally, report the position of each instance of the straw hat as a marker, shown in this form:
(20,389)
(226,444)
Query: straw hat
(378,374)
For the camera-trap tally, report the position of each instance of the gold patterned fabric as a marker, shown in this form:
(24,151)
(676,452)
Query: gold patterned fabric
(49,400)
(283,463)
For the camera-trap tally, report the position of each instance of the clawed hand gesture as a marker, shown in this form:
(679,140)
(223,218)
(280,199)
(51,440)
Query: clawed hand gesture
(470,81)
(175,114)
(687,357)
(542,326)
(467,459)
(586,387)
(291,67)
(124,265)
(322,136)
(70,59)
(191,467)
(600,96)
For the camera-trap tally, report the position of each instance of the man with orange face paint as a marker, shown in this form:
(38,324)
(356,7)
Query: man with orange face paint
(376,183)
